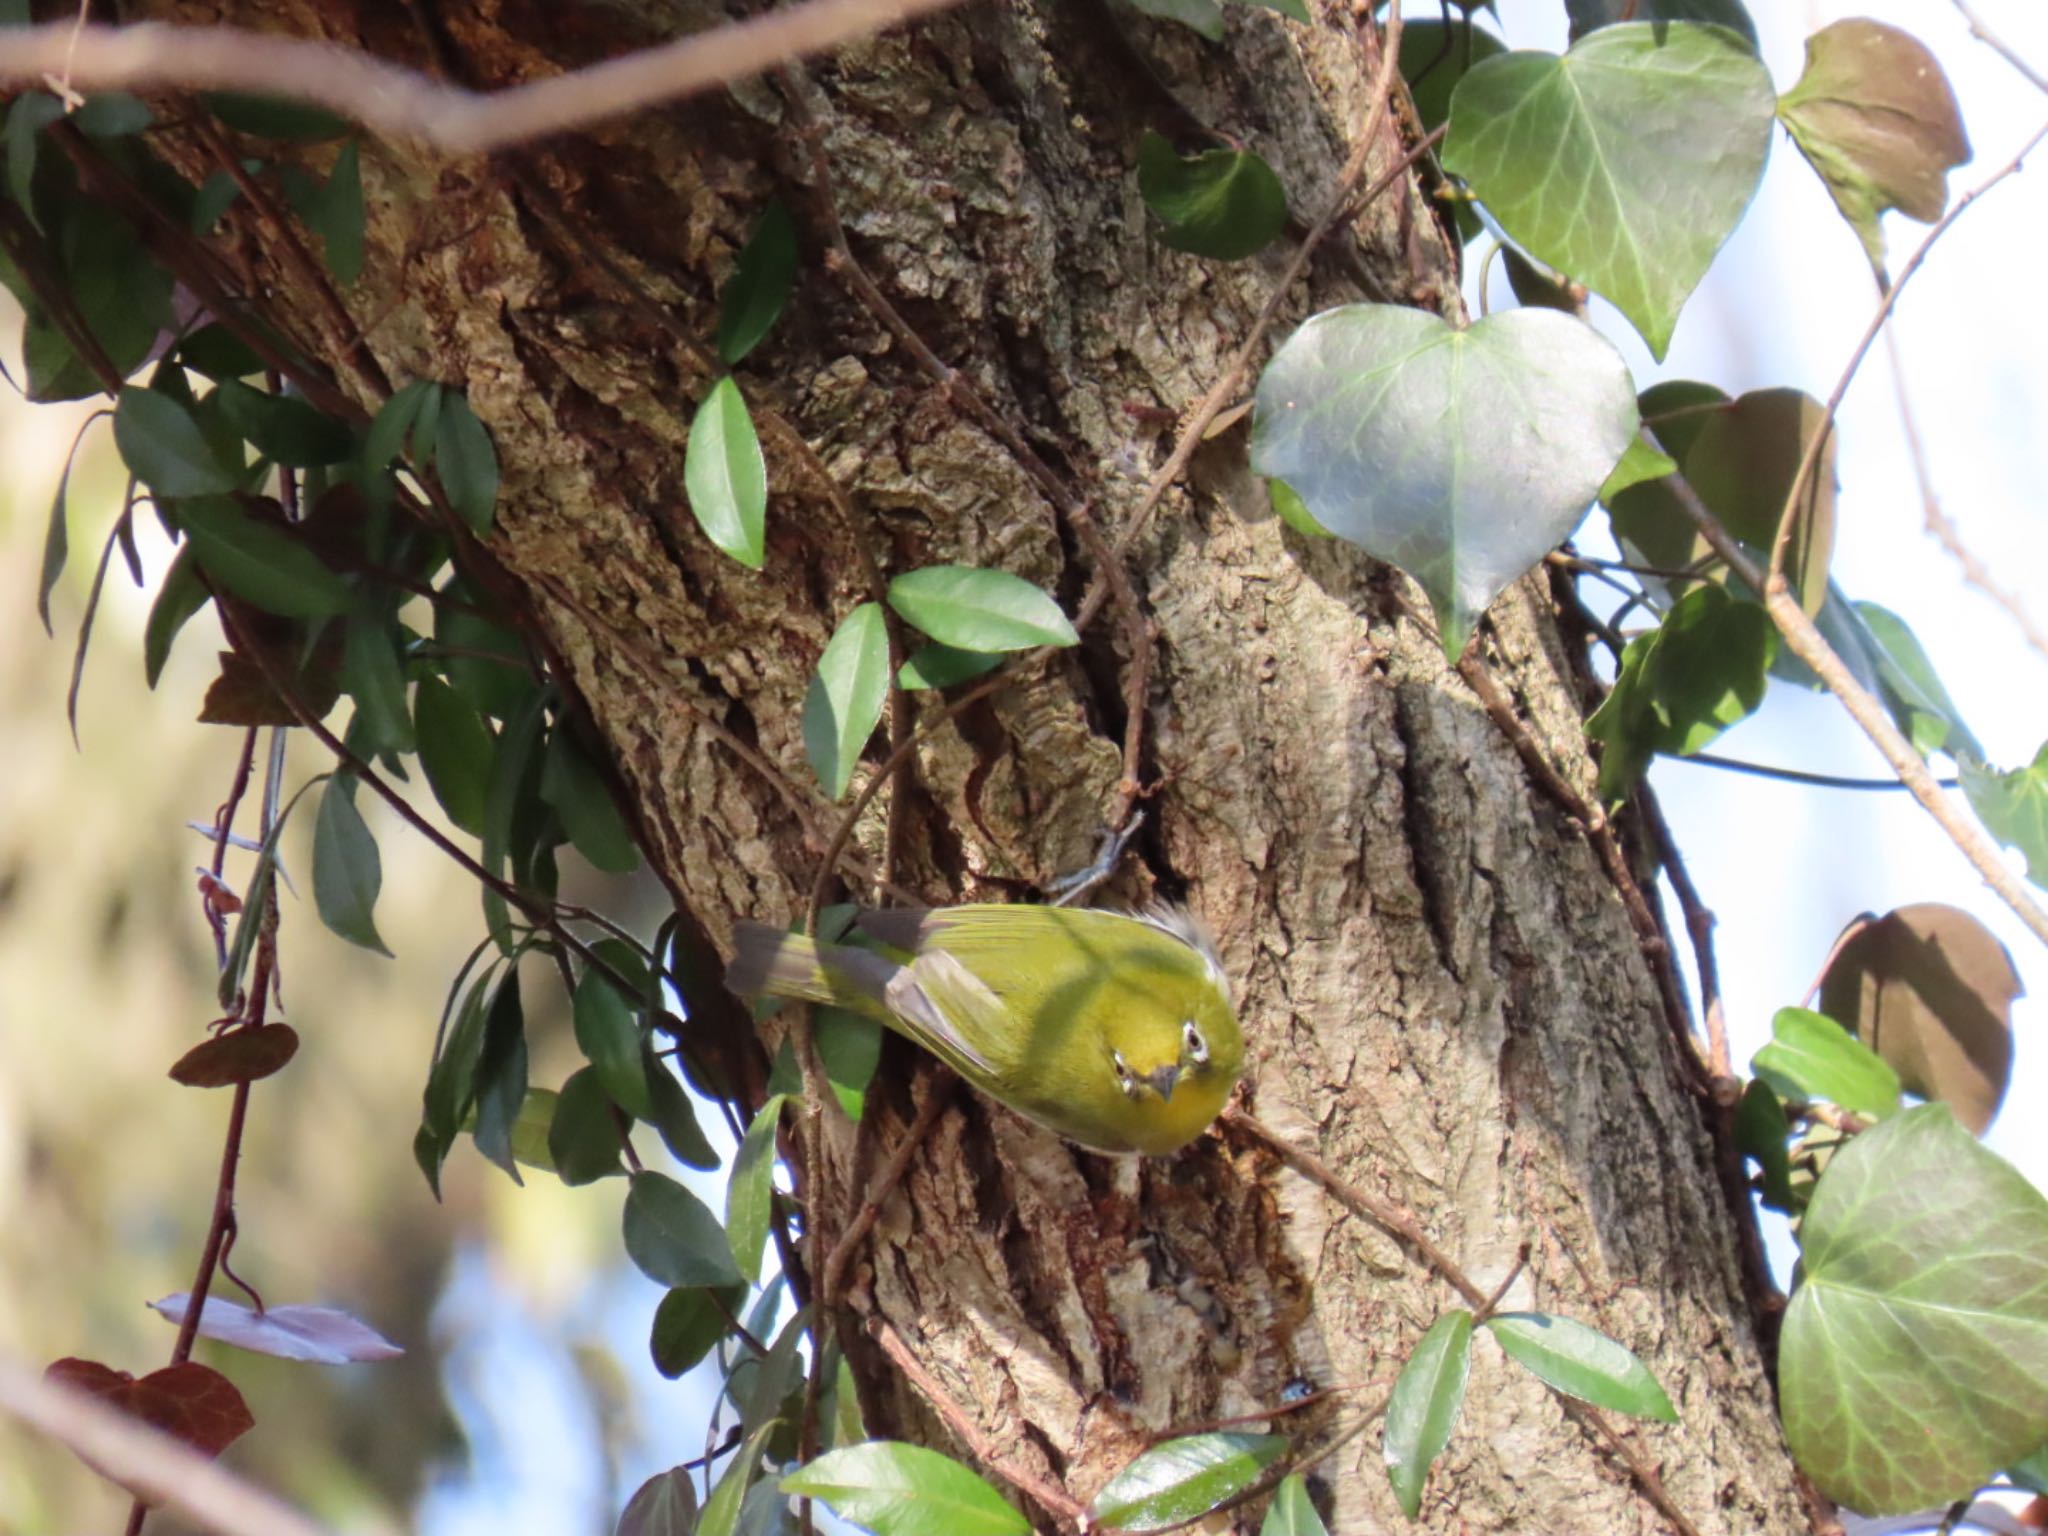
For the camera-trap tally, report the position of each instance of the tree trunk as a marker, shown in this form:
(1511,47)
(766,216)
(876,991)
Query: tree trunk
(1443,993)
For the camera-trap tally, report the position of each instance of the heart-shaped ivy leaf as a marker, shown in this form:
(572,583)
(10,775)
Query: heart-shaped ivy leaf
(1225,203)
(1460,456)
(1625,163)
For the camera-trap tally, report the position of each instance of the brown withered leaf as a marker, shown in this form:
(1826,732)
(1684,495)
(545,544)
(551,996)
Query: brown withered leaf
(242,695)
(192,1402)
(239,1056)
(1874,115)
(1930,989)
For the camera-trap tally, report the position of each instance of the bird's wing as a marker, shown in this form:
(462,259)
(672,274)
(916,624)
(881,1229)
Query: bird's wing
(899,928)
(951,1007)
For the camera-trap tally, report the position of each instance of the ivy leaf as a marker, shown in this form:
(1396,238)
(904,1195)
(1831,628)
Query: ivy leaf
(1292,1512)
(190,1401)
(347,872)
(1587,15)
(1226,204)
(1702,670)
(455,749)
(1914,1357)
(259,561)
(1625,163)
(609,1036)
(1811,1057)
(1424,1406)
(1874,116)
(758,290)
(1912,691)
(1462,457)
(672,1236)
(583,1139)
(725,476)
(2013,807)
(750,1197)
(1435,57)
(1182,1480)
(664,1505)
(979,610)
(895,1489)
(845,697)
(163,446)
(1761,1132)
(1581,1362)
(1639,463)
(467,464)
(1930,989)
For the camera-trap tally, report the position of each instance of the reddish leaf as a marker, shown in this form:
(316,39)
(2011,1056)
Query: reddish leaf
(241,695)
(321,1335)
(193,1402)
(89,1376)
(239,1056)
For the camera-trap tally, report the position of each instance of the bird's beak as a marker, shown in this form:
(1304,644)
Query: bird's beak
(1164,1080)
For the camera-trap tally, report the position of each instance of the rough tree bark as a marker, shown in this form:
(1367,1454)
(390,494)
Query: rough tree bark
(1443,993)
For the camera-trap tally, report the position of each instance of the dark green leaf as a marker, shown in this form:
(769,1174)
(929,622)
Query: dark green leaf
(895,1489)
(467,464)
(455,748)
(725,477)
(1201,16)
(1424,1407)
(164,447)
(284,428)
(942,666)
(347,872)
(761,1384)
(754,296)
(1581,1362)
(498,687)
(515,772)
(2013,807)
(1292,1512)
(1625,163)
(1914,1357)
(979,610)
(216,195)
(118,290)
(845,697)
(673,1237)
(664,1505)
(1389,424)
(849,1046)
(182,595)
(451,1084)
(373,675)
(2031,1472)
(501,1075)
(31,113)
(571,783)
(260,561)
(1761,1132)
(273,117)
(1225,204)
(1874,115)
(1293,10)
(841,1413)
(722,1510)
(583,1138)
(219,353)
(57,534)
(1587,15)
(689,1323)
(333,210)
(1811,1057)
(608,1034)
(1911,690)
(1182,1480)
(394,422)
(1702,670)
(750,1197)
(112,114)
(675,1120)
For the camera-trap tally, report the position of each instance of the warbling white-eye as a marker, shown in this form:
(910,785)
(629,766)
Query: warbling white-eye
(1113,1029)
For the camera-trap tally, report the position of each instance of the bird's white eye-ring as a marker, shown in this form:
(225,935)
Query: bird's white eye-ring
(1197,1048)
(1125,1079)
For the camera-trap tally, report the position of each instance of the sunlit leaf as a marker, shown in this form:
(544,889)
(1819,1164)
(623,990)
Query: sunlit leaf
(1290,509)
(726,477)
(1424,1406)
(1914,1357)
(1581,1362)
(317,1335)
(2013,807)
(236,1056)
(1223,203)
(1812,1057)
(1588,15)
(979,610)
(1182,1480)
(845,698)
(943,666)
(1292,1512)
(893,1489)
(1625,163)
(1909,686)
(1639,462)
(849,1046)
(1462,457)
(750,1197)
(672,1236)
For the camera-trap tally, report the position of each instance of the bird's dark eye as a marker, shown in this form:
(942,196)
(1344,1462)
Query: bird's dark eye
(1124,1077)
(1191,1040)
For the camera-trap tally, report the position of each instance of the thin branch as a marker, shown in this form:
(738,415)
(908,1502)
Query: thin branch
(939,1094)
(1699,924)
(1999,46)
(147,1461)
(1807,643)
(1055,1499)
(1797,775)
(401,103)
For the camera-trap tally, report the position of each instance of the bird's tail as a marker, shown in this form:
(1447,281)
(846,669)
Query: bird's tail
(773,962)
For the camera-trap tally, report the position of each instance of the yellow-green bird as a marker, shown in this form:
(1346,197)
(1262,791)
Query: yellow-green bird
(1113,1029)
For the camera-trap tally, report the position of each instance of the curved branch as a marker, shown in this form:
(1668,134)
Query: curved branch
(401,103)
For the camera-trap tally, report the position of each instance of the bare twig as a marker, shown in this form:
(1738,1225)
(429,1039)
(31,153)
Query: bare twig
(1807,643)
(939,1093)
(1999,46)
(148,1461)
(1055,1499)
(1699,926)
(1799,775)
(400,103)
